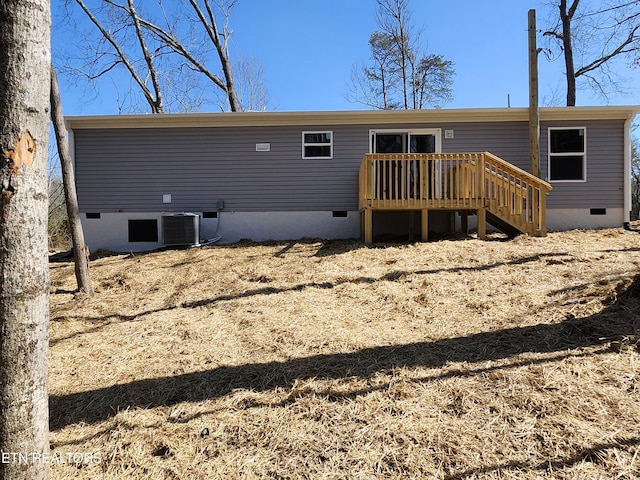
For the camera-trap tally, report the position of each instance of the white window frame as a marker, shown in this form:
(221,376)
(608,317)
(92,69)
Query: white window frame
(437,132)
(313,144)
(551,155)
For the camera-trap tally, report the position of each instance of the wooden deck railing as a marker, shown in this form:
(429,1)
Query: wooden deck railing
(455,181)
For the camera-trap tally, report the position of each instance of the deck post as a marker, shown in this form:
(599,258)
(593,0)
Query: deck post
(482,224)
(543,212)
(424,224)
(464,222)
(481,191)
(412,221)
(367,225)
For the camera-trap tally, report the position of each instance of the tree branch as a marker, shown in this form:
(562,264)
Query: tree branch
(631,38)
(147,57)
(125,60)
(221,47)
(180,49)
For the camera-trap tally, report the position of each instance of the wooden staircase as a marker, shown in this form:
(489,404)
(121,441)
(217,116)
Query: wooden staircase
(501,194)
(502,225)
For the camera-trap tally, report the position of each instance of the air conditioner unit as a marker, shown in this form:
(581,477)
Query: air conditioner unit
(181,229)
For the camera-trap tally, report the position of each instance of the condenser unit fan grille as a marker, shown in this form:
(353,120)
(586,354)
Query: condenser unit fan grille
(181,229)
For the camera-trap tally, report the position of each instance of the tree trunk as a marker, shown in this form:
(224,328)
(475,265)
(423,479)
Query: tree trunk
(25,59)
(80,249)
(566,17)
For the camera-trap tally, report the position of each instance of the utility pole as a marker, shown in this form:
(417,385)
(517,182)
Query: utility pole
(534,113)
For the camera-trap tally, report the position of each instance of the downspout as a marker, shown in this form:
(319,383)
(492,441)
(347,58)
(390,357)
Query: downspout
(627,172)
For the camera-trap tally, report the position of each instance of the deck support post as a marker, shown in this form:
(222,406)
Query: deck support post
(464,222)
(424,224)
(367,225)
(412,221)
(482,224)
(543,213)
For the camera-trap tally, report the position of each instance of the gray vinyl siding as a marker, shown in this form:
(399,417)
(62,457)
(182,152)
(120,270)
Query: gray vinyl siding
(129,170)
(510,141)
(604,187)
(507,140)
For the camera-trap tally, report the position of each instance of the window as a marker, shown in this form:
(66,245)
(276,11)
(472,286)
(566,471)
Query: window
(567,155)
(317,144)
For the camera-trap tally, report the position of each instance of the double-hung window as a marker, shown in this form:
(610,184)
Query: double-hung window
(317,144)
(567,154)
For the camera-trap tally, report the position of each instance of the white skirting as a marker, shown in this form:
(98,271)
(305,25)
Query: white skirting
(584,219)
(110,231)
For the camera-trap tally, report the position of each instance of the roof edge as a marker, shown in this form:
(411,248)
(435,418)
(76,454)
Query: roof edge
(346,117)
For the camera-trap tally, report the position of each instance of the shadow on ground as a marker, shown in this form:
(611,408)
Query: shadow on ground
(617,322)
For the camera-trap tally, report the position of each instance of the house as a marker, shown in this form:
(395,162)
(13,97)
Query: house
(148,180)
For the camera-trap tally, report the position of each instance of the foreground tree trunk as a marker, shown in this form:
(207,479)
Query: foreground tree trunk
(25,61)
(80,249)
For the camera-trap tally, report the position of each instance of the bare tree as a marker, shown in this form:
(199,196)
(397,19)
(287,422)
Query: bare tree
(400,75)
(118,56)
(178,42)
(249,81)
(80,249)
(591,36)
(219,38)
(635,179)
(394,20)
(24,271)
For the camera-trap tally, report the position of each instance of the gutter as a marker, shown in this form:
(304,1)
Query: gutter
(346,117)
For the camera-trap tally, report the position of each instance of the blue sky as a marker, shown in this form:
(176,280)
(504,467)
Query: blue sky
(309,47)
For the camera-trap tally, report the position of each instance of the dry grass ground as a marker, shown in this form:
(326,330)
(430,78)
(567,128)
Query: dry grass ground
(456,359)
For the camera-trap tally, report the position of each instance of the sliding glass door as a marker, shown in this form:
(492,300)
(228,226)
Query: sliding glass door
(412,141)
(401,179)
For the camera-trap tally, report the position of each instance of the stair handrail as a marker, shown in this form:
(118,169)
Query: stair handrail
(506,190)
(515,195)
(531,177)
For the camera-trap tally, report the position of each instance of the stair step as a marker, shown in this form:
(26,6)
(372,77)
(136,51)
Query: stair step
(503,225)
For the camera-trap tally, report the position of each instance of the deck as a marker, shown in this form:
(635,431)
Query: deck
(477,183)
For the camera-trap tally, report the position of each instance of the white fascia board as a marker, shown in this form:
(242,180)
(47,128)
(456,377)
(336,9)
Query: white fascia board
(622,112)
(356,117)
